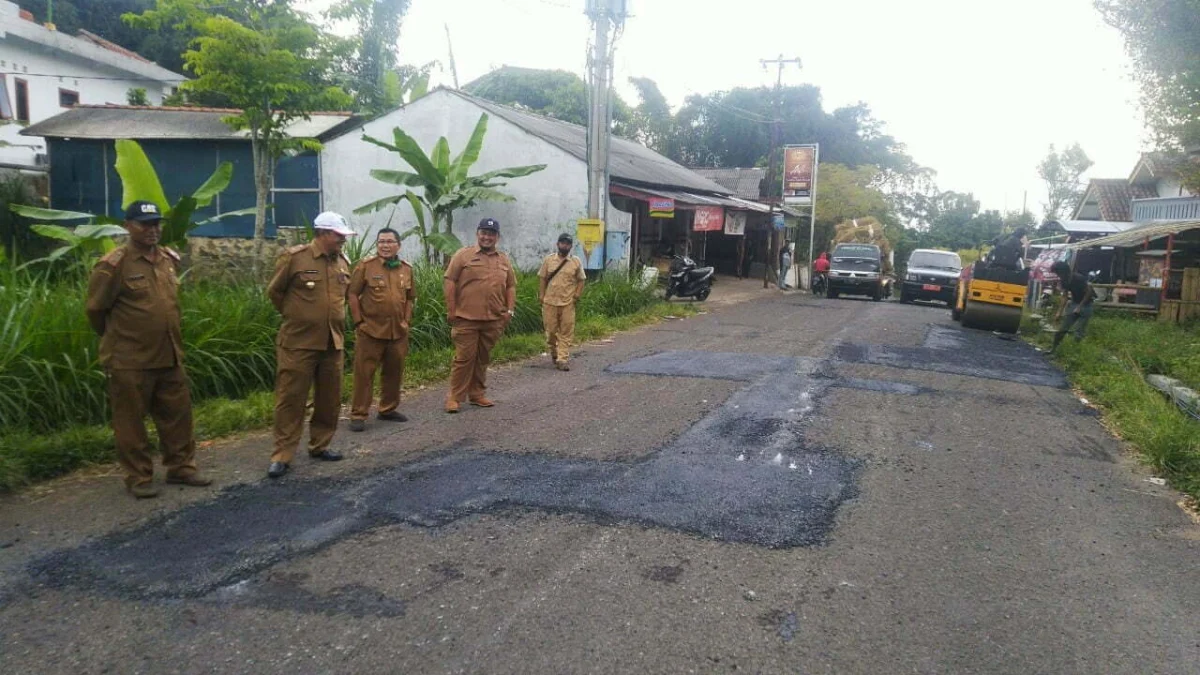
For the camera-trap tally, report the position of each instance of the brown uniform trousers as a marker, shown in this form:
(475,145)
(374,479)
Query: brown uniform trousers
(133,305)
(482,282)
(385,296)
(559,324)
(473,342)
(558,302)
(309,290)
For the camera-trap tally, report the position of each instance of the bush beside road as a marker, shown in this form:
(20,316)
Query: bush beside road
(53,408)
(1110,368)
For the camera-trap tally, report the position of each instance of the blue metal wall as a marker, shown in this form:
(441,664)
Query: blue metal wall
(83,178)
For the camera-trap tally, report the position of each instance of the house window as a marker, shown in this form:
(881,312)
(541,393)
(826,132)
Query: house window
(68,98)
(6,110)
(22,100)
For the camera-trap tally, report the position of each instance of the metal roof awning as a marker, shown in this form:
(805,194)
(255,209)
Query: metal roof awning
(1137,235)
(687,200)
(1092,226)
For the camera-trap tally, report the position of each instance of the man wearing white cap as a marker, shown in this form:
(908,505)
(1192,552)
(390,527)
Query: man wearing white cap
(309,290)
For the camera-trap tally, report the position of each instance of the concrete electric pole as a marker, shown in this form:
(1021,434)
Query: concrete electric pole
(605,15)
(775,180)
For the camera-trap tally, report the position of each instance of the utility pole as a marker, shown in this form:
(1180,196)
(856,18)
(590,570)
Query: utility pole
(774,180)
(604,15)
(450,47)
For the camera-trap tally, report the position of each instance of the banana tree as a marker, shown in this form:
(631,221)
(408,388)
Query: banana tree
(445,186)
(139,181)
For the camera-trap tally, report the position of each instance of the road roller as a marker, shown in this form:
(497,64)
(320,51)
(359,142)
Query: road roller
(990,297)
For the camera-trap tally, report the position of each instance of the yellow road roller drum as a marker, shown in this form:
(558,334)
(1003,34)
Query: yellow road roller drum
(993,298)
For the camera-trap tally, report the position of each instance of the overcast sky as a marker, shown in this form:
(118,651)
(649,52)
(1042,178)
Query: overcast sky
(976,90)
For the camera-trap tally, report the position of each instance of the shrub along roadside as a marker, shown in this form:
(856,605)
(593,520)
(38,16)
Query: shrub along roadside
(26,457)
(1110,366)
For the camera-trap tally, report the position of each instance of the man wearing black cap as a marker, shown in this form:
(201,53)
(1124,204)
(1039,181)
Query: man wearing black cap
(480,289)
(561,283)
(133,305)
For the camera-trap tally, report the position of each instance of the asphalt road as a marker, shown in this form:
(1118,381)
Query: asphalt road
(782,485)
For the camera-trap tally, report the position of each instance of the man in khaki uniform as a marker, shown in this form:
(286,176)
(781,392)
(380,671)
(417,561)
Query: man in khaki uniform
(561,283)
(480,288)
(133,304)
(381,304)
(309,290)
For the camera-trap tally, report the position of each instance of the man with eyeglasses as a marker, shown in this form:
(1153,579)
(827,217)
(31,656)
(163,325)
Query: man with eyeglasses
(381,299)
(133,305)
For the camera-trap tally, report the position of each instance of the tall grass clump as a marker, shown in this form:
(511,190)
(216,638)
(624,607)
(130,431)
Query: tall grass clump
(53,400)
(1110,365)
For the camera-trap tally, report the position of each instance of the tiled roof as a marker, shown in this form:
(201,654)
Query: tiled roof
(111,46)
(742,182)
(1115,197)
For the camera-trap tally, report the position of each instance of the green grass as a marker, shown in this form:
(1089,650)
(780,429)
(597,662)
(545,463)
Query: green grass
(1110,366)
(53,409)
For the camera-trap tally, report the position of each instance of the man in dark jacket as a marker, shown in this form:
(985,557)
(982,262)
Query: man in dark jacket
(1079,305)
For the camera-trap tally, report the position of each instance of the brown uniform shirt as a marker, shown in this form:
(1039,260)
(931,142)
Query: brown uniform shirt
(133,304)
(560,292)
(384,295)
(481,283)
(309,290)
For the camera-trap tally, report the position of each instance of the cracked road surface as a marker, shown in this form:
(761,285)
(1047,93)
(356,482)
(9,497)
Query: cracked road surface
(783,485)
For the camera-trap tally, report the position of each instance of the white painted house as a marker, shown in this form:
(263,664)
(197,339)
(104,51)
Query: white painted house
(547,203)
(44,72)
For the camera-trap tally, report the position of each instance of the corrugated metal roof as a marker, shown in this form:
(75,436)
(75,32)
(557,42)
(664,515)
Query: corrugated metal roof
(628,161)
(1093,226)
(743,182)
(1137,235)
(684,199)
(145,123)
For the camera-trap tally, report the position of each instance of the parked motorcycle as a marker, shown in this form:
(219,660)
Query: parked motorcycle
(688,281)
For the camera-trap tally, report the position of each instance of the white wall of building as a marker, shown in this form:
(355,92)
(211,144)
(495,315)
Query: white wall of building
(547,203)
(21,59)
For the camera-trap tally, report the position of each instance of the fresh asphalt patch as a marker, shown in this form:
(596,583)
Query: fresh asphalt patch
(961,352)
(745,474)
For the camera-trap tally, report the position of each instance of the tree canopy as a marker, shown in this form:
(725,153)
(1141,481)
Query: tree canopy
(1062,172)
(1163,37)
(270,64)
(560,94)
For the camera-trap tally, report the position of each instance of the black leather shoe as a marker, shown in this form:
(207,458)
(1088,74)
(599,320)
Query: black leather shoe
(392,416)
(328,456)
(357,425)
(277,469)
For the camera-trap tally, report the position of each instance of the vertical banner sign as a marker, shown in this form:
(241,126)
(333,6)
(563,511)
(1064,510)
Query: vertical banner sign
(708,219)
(778,220)
(588,234)
(661,207)
(799,173)
(735,223)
